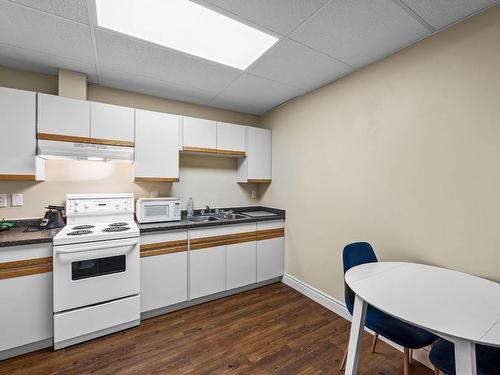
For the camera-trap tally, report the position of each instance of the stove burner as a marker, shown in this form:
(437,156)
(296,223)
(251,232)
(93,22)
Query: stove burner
(86,226)
(79,232)
(121,224)
(115,229)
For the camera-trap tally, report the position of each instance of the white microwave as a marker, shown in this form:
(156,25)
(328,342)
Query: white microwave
(152,210)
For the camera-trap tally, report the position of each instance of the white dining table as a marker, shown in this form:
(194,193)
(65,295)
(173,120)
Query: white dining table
(456,306)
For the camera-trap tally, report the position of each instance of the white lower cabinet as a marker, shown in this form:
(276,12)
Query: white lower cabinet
(269,259)
(241,264)
(25,299)
(164,269)
(207,271)
(270,251)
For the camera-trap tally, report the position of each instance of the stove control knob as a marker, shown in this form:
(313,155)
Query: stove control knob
(86,206)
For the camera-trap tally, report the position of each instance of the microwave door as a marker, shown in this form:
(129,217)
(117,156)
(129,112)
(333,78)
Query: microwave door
(152,211)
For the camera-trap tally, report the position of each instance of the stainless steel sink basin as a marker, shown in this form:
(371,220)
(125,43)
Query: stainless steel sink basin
(235,217)
(202,219)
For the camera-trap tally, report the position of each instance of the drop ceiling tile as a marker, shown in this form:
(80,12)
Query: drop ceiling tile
(360,32)
(75,10)
(281,16)
(43,63)
(30,29)
(300,66)
(441,13)
(254,107)
(251,88)
(147,59)
(155,87)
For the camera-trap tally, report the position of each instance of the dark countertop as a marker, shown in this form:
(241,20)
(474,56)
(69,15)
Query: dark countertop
(19,236)
(185,224)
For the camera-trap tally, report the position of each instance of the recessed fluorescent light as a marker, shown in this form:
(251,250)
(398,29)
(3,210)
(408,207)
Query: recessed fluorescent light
(188,27)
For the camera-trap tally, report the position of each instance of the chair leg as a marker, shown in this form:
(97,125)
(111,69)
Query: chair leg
(374,342)
(406,361)
(344,359)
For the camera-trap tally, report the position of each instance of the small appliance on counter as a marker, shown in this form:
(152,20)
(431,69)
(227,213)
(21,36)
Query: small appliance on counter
(53,218)
(6,225)
(152,210)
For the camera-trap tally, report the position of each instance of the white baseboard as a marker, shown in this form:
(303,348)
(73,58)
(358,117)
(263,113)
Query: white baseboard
(339,308)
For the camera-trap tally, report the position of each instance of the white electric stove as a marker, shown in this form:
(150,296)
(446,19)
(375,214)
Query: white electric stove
(96,268)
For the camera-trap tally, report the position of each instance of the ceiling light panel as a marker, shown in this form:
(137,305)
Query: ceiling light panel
(188,27)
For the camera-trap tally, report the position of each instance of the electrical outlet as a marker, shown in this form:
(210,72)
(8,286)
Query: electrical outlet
(3,200)
(17,200)
(254,194)
(154,194)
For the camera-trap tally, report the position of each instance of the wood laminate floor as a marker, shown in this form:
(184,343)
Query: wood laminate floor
(271,330)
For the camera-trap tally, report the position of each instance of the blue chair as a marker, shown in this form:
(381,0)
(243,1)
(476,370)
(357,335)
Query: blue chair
(442,356)
(397,331)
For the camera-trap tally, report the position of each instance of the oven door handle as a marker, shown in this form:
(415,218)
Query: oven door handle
(91,252)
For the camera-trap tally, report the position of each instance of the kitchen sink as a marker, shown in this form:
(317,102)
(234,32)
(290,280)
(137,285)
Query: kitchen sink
(235,217)
(202,219)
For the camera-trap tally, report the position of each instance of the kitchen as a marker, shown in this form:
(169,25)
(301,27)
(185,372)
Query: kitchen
(151,198)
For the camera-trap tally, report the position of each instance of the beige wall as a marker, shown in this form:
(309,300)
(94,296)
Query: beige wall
(209,180)
(404,154)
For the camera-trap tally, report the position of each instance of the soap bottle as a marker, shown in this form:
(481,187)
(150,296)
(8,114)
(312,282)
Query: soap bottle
(190,207)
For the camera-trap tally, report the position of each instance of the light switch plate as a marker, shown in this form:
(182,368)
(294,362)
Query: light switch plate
(17,200)
(3,200)
(254,194)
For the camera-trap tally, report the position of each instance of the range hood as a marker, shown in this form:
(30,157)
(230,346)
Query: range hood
(83,151)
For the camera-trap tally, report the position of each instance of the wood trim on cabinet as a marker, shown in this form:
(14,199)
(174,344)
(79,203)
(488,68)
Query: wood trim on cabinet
(268,234)
(25,267)
(160,248)
(111,142)
(259,181)
(227,239)
(156,179)
(202,150)
(231,152)
(62,138)
(17,177)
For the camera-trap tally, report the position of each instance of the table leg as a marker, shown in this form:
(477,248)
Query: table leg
(465,357)
(356,335)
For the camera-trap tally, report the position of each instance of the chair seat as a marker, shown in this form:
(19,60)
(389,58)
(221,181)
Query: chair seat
(397,331)
(443,357)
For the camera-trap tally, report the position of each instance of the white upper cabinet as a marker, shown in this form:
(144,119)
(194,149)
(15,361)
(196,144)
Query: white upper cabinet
(156,147)
(256,167)
(111,124)
(231,139)
(18,136)
(199,135)
(63,119)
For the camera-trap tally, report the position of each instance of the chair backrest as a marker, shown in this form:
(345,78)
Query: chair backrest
(355,254)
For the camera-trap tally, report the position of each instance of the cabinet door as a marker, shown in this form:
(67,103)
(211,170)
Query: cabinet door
(231,139)
(18,138)
(259,153)
(199,135)
(111,124)
(270,249)
(26,301)
(63,119)
(241,264)
(156,146)
(207,272)
(163,280)
(256,167)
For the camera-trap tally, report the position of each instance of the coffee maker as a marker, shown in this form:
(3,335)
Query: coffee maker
(53,218)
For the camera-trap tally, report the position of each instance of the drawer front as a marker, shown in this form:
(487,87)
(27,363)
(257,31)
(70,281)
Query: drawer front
(161,243)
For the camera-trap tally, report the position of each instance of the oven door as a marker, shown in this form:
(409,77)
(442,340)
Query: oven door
(155,211)
(90,273)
